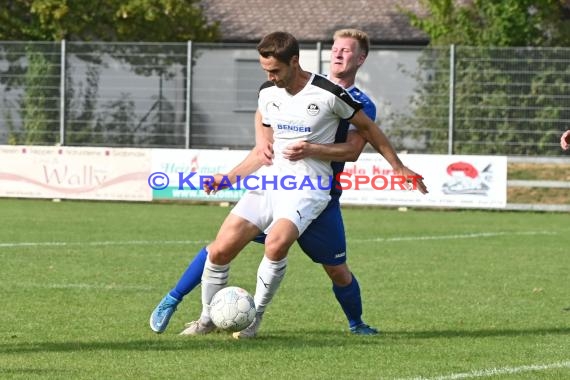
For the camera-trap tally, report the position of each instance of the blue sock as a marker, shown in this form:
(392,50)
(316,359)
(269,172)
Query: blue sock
(191,277)
(349,299)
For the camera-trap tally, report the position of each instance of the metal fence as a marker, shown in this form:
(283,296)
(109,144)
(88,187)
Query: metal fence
(467,100)
(472,100)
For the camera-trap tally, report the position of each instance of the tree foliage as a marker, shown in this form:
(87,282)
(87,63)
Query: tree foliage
(84,24)
(495,22)
(106,20)
(36,103)
(506,94)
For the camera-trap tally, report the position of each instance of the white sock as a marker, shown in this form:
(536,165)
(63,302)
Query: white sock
(214,278)
(269,276)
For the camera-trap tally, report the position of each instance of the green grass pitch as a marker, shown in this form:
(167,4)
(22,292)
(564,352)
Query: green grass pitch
(456,294)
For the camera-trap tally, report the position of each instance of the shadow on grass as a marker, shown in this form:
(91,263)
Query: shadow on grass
(488,333)
(291,340)
(32,372)
(167,342)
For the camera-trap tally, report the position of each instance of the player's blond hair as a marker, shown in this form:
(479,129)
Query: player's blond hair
(358,35)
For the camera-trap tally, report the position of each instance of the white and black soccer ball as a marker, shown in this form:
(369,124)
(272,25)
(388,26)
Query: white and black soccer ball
(232,309)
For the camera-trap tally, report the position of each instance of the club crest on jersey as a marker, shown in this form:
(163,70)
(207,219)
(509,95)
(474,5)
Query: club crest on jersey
(313,109)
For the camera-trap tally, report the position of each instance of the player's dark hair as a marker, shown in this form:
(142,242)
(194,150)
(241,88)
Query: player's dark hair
(281,45)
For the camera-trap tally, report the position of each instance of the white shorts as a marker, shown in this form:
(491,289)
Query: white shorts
(264,207)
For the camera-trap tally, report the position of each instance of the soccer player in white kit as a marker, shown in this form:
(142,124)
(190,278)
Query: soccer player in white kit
(299,106)
(324,241)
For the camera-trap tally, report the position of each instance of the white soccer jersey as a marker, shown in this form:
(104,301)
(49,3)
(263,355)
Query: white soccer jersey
(311,115)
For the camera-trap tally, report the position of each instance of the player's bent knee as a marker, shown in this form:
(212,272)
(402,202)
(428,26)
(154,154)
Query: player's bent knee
(276,249)
(340,275)
(220,254)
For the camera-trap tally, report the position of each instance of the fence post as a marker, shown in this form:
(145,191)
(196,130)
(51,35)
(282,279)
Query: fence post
(319,60)
(188,94)
(451,120)
(62,95)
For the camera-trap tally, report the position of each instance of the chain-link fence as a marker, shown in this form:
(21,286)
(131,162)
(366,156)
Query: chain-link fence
(513,101)
(93,94)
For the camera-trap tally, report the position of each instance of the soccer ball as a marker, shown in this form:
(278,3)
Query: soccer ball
(232,309)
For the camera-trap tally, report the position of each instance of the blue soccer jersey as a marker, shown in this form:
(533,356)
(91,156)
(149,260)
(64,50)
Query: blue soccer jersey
(369,109)
(324,241)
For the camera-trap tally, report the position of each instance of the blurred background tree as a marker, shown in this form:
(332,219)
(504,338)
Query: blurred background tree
(106,20)
(507,96)
(82,22)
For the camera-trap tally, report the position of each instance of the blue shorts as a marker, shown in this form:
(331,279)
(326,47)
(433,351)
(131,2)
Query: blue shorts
(324,240)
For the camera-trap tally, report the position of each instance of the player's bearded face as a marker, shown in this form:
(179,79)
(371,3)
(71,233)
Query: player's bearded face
(277,72)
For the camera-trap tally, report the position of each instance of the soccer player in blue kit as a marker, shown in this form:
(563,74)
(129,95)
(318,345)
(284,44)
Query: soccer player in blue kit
(324,239)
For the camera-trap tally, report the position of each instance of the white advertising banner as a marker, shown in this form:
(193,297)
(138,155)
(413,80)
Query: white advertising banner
(452,181)
(75,173)
(180,174)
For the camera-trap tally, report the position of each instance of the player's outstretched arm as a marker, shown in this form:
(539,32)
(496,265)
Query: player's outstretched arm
(221,181)
(374,135)
(249,165)
(261,154)
(340,152)
(263,140)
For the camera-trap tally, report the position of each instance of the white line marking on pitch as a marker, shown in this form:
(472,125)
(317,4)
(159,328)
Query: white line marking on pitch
(159,242)
(497,371)
(457,236)
(98,243)
(85,286)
